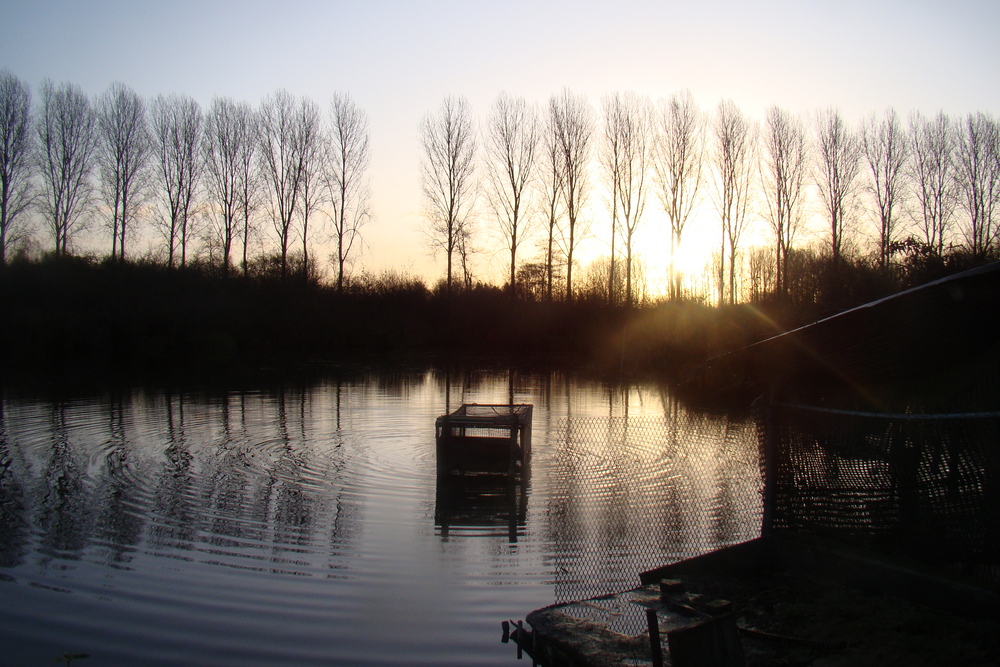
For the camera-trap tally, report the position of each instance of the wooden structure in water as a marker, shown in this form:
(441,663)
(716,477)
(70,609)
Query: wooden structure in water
(484,439)
(483,452)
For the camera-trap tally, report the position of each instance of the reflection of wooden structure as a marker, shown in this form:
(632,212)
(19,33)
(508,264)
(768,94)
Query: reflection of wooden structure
(480,502)
(491,439)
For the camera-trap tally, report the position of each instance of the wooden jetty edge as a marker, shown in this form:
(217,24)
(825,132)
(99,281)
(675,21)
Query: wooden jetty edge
(776,601)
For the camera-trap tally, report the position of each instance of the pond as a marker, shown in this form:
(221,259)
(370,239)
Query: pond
(305,524)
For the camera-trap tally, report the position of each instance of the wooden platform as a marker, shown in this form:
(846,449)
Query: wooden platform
(791,601)
(484,439)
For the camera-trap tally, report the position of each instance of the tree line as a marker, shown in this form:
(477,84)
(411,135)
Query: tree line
(884,190)
(212,180)
(127,161)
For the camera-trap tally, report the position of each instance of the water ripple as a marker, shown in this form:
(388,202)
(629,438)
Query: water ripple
(307,525)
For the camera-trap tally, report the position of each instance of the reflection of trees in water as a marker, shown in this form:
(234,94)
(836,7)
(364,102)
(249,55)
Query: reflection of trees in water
(735,483)
(175,514)
(228,479)
(345,518)
(119,526)
(13,526)
(232,477)
(292,507)
(64,515)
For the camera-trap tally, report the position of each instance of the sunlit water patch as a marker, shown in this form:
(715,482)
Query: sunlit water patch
(303,525)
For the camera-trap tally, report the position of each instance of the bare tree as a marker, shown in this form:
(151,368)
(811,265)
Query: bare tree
(883,145)
(312,146)
(347,182)
(465,249)
(839,163)
(67,133)
(282,164)
(123,155)
(224,146)
(177,138)
(16,166)
(734,158)
(978,179)
(627,158)
(572,121)
(678,168)
(447,173)
(612,160)
(551,185)
(932,171)
(784,176)
(248,174)
(512,145)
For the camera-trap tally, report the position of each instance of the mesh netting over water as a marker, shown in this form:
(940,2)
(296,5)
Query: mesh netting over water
(923,486)
(635,493)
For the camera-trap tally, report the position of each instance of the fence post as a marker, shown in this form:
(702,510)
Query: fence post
(655,649)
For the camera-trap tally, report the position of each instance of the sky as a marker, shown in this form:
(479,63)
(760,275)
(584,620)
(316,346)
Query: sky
(398,60)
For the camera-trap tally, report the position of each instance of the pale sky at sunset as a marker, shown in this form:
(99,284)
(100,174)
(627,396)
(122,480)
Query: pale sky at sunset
(399,59)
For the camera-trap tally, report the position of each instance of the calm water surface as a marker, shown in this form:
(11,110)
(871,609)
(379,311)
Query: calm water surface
(306,525)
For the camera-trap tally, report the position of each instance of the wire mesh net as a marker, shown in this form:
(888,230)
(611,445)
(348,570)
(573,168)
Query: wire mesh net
(926,487)
(634,493)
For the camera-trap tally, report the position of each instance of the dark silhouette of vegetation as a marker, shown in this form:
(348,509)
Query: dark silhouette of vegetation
(78,315)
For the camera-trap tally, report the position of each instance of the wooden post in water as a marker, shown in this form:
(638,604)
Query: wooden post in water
(512,445)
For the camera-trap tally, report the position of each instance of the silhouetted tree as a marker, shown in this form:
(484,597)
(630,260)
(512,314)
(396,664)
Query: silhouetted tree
(177,135)
(248,175)
(67,133)
(627,158)
(348,186)
(884,148)
(123,156)
(551,185)
(512,145)
(838,165)
(532,281)
(760,273)
(611,163)
(784,176)
(282,163)
(978,179)
(572,121)
(225,144)
(465,249)
(678,167)
(314,154)
(932,172)
(734,158)
(447,173)
(16,166)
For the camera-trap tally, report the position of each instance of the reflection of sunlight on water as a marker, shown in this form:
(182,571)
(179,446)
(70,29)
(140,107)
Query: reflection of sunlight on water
(303,524)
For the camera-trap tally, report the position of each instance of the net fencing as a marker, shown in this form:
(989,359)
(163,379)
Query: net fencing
(630,493)
(922,486)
